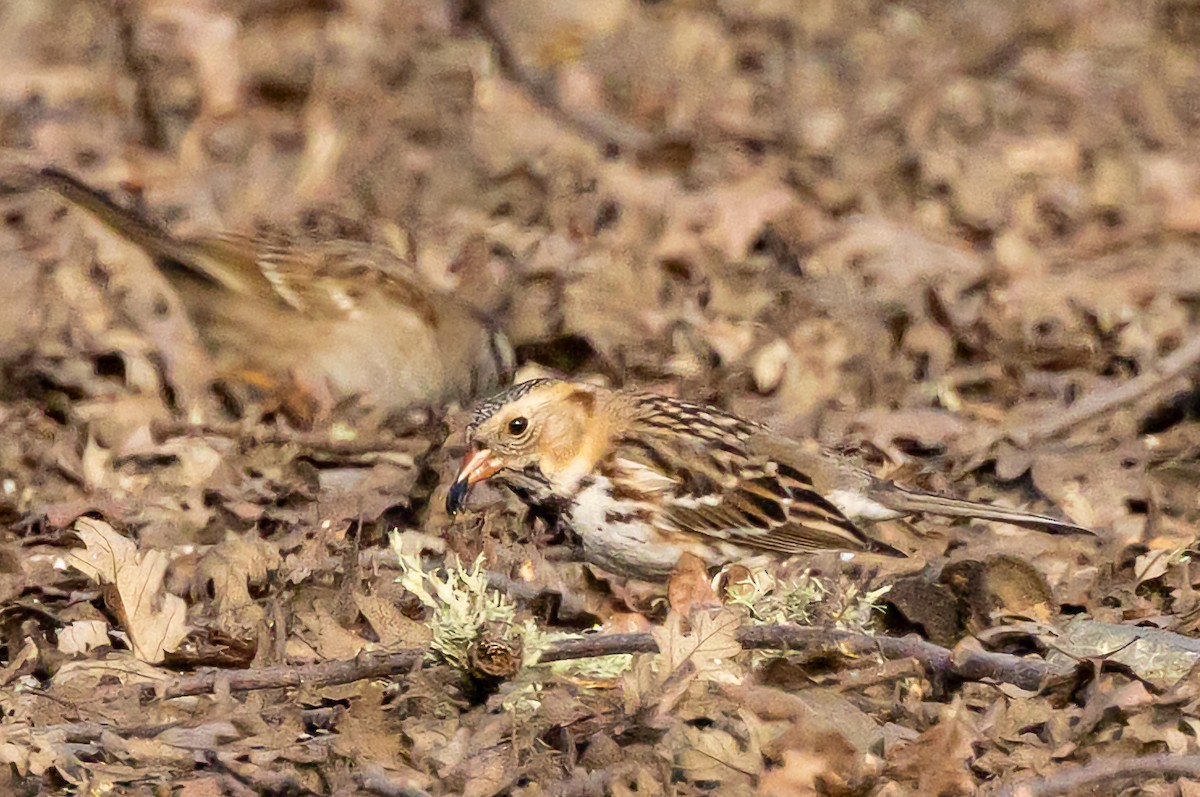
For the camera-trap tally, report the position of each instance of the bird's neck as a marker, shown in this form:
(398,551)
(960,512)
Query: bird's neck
(576,459)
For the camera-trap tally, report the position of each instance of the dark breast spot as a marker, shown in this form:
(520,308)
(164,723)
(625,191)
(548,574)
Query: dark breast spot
(634,516)
(621,492)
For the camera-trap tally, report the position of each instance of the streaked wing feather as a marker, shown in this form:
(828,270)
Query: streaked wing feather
(727,493)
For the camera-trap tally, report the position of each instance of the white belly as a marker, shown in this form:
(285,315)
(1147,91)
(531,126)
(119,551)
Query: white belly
(857,506)
(618,537)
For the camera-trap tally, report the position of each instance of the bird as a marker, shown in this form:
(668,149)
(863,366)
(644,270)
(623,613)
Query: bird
(639,479)
(326,320)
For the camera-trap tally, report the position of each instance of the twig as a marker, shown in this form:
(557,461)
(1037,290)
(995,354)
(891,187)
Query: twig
(969,666)
(1103,776)
(326,673)
(595,127)
(1102,401)
(1025,673)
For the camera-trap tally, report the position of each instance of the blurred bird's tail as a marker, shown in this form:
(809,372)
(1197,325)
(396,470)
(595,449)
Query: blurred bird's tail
(912,502)
(126,223)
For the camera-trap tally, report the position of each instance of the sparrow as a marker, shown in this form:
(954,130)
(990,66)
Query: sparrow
(639,479)
(331,320)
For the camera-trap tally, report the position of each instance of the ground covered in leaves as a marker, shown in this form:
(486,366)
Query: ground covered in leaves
(964,238)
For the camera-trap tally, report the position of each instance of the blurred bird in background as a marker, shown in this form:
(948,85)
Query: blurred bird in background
(310,325)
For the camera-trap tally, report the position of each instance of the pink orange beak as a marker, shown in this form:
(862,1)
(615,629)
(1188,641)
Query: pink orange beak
(476,466)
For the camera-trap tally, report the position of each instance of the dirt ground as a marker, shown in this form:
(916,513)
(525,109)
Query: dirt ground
(961,238)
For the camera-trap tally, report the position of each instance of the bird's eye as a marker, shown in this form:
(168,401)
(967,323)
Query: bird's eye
(518,426)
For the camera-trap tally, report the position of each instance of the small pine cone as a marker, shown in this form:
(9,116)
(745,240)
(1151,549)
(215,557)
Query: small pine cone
(494,654)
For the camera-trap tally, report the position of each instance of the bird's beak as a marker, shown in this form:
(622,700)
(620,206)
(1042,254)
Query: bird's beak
(476,466)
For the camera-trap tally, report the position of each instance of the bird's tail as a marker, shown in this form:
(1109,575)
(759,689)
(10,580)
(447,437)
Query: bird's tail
(911,502)
(215,262)
(126,223)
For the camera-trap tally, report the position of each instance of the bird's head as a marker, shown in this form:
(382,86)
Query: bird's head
(540,437)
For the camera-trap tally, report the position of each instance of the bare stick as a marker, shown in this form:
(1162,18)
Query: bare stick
(1103,776)
(594,127)
(1026,673)
(1102,401)
(326,673)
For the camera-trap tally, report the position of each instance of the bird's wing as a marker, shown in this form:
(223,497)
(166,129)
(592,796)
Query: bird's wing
(326,279)
(713,485)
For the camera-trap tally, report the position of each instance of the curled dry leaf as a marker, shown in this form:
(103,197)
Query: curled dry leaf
(154,620)
(690,588)
(82,636)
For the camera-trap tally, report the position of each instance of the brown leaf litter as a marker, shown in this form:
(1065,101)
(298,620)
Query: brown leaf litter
(960,239)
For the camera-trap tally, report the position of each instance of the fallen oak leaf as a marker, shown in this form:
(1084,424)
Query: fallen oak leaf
(713,754)
(709,646)
(703,652)
(154,619)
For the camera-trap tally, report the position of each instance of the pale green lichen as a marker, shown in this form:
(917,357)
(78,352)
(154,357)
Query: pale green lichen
(858,608)
(598,667)
(804,599)
(461,604)
(523,696)
(459,601)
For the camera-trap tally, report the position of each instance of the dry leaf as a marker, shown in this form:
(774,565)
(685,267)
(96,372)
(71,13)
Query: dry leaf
(227,571)
(711,754)
(390,625)
(14,668)
(1161,657)
(690,588)
(709,647)
(331,640)
(940,758)
(154,619)
(83,635)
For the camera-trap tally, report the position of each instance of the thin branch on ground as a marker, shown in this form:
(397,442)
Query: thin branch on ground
(1104,776)
(326,673)
(1026,673)
(1100,402)
(595,127)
